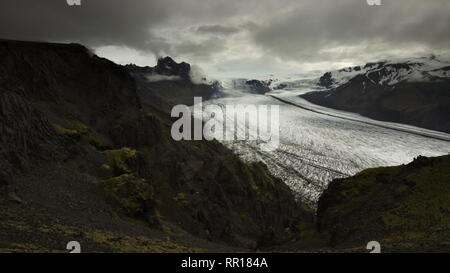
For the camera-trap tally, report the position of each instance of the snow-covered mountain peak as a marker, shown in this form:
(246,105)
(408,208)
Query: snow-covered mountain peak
(391,72)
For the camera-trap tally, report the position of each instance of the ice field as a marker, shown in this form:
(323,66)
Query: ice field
(318,144)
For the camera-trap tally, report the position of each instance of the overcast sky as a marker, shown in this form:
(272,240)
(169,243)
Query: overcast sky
(238,37)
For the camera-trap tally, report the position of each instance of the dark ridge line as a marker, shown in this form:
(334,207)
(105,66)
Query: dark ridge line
(364,122)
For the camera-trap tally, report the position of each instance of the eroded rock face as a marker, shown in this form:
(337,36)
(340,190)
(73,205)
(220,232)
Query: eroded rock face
(326,80)
(68,80)
(25,137)
(167,66)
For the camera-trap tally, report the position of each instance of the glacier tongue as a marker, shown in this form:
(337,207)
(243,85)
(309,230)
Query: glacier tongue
(317,147)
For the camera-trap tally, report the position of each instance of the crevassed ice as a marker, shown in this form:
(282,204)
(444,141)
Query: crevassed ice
(317,148)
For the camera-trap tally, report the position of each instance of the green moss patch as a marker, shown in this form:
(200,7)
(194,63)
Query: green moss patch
(120,160)
(406,208)
(129,193)
(80,132)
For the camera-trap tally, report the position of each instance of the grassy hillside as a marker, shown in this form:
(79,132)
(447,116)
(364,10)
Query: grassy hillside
(405,208)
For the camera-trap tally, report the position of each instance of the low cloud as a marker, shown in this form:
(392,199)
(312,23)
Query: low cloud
(159,78)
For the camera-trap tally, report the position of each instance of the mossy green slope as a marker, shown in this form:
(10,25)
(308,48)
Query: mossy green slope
(405,208)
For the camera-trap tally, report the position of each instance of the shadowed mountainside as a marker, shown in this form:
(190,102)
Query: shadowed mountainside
(85,157)
(415,92)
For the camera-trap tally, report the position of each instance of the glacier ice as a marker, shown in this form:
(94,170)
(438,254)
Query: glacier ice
(319,144)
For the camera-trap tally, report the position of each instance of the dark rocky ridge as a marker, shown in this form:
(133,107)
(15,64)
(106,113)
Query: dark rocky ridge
(326,80)
(258,87)
(81,142)
(167,66)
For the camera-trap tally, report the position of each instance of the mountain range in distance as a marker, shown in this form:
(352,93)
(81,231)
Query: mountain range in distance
(413,91)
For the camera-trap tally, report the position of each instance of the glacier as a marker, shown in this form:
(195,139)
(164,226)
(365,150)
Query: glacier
(318,144)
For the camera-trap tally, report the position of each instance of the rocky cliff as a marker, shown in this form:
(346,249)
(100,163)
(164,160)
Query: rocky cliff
(86,154)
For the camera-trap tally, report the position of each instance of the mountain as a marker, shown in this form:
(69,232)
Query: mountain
(170,83)
(251,86)
(86,154)
(426,69)
(415,92)
(405,208)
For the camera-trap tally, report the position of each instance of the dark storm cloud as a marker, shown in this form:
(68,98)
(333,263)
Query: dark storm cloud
(97,22)
(218,29)
(218,32)
(318,29)
(108,22)
(200,50)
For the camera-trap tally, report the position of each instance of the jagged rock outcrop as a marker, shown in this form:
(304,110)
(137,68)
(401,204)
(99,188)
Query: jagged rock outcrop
(252,86)
(258,87)
(169,83)
(326,80)
(167,66)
